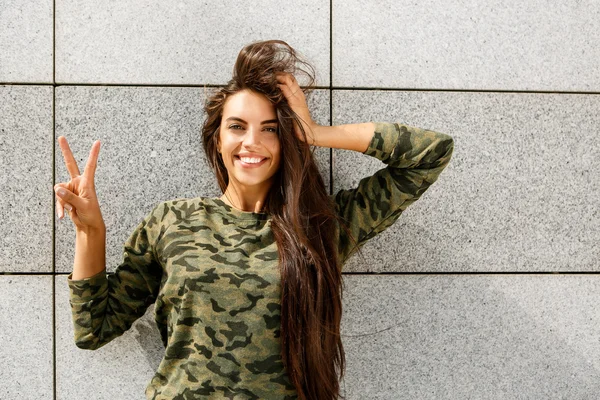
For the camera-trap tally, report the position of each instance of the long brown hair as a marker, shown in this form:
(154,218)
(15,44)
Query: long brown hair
(303,224)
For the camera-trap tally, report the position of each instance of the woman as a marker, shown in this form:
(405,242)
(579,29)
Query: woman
(247,286)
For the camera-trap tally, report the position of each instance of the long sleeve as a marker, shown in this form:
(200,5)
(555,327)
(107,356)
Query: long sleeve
(105,306)
(415,158)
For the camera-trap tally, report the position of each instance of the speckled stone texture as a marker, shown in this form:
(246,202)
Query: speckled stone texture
(471,337)
(186,42)
(26,337)
(26,41)
(520,192)
(25,178)
(150,152)
(487,45)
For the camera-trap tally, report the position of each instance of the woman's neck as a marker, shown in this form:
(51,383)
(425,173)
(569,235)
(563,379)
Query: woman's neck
(250,202)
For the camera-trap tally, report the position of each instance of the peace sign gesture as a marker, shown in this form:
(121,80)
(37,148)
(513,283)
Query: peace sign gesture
(78,195)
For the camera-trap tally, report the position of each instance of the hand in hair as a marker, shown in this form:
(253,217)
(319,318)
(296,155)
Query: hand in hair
(297,101)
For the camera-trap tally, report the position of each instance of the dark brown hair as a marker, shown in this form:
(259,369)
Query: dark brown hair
(303,224)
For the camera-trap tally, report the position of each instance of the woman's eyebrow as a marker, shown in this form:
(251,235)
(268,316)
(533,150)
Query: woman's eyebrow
(269,121)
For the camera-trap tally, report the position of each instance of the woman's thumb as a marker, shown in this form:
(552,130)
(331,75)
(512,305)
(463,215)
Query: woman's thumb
(67,196)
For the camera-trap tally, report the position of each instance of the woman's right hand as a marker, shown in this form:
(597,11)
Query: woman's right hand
(80,192)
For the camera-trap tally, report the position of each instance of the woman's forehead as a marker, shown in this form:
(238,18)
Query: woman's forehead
(249,106)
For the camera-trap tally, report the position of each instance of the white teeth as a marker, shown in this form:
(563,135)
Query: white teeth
(249,160)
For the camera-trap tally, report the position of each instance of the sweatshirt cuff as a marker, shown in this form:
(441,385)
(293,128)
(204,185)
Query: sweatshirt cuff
(84,290)
(384,141)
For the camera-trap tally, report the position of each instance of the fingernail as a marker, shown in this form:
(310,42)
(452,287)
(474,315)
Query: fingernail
(61,192)
(68,207)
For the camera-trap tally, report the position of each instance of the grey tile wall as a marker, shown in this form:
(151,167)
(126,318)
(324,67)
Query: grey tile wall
(446,319)
(26,41)
(471,336)
(26,337)
(26,178)
(180,43)
(492,45)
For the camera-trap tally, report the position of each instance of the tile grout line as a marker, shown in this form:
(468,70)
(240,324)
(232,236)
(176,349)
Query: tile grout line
(53,200)
(330,92)
(329,87)
(481,273)
(343,394)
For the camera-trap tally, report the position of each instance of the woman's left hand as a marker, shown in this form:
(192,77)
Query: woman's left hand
(297,101)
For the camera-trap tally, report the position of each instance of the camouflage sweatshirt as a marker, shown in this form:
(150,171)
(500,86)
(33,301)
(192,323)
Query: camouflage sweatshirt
(212,272)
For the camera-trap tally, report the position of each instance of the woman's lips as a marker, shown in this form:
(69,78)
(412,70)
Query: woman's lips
(250,165)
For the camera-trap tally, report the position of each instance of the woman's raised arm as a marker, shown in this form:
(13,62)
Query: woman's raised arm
(415,158)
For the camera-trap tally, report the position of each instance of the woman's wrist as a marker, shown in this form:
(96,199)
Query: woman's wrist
(349,136)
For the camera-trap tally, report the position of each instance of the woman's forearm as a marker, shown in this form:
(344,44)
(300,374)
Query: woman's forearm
(349,136)
(90,254)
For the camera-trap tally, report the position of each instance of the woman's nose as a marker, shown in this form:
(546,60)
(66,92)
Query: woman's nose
(251,136)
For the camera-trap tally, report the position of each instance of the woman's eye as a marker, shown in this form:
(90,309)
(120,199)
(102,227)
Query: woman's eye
(237,127)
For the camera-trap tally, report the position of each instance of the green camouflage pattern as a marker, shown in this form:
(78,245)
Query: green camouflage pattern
(212,272)
(415,159)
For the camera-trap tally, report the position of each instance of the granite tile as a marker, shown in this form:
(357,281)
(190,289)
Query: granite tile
(26,337)
(491,45)
(180,43)
(471,337)
(26,35)
(26,178)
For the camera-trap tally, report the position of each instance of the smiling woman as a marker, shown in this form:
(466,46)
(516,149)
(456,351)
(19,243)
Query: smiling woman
(262,114)
(248,286)
(249,147)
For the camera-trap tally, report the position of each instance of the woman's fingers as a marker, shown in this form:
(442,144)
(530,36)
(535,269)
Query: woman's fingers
(297,101)
(286,91)
(292,91)
(61,207)
(286,77)
(92,162)
(59,210)
(60,204)
(70,162)
(288,80)
(66,197)
(70,200)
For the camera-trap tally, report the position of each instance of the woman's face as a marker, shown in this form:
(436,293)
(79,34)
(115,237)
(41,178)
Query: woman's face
(248,141)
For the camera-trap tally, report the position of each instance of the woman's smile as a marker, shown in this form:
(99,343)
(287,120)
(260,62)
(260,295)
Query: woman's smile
(248,160)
